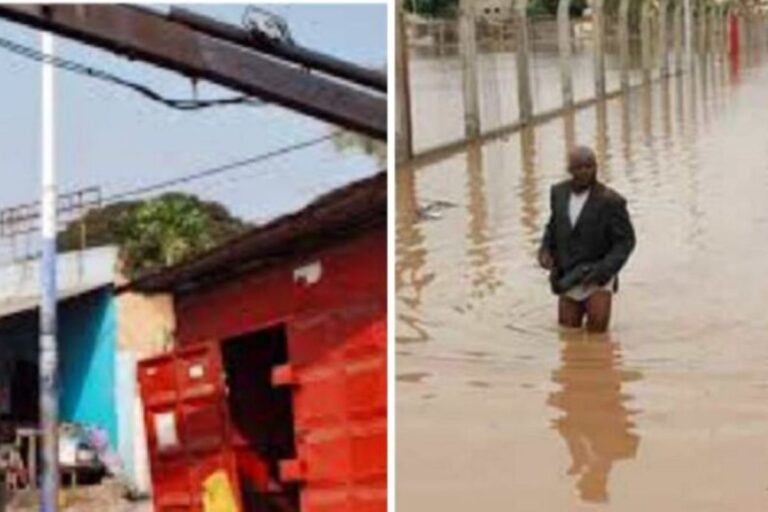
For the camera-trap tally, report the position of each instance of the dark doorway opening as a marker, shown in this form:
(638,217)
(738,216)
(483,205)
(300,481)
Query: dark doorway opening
(261,418)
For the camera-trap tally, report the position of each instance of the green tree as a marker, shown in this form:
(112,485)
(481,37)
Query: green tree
(432,8)
(350,141)
(154,233)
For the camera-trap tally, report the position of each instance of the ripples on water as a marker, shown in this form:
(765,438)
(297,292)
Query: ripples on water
(676,398)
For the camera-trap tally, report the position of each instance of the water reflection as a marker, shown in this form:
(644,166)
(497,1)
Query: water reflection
(596,423)
(484,280)
(529,184)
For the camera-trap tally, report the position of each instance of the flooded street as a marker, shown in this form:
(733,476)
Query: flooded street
(498,409)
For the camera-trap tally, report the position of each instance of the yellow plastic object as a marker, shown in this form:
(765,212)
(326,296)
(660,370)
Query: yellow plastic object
(218,495)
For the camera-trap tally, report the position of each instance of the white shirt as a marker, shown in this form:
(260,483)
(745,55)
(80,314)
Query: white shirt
(576,204)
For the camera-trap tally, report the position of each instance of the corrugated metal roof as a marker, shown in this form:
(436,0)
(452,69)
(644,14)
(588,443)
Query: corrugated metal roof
(78,272)
(340,214)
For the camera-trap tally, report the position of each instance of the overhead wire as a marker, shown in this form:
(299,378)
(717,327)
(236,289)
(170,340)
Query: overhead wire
(105,76)
(222,168)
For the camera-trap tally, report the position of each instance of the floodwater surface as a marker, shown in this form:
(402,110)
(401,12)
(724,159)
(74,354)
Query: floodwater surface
(498,409)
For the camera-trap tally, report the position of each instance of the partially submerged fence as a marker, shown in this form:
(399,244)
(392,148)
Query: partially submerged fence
(481,73)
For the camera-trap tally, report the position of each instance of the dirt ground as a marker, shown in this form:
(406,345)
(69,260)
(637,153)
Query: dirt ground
(106,497)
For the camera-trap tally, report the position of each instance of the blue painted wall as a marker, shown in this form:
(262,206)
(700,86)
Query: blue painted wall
(87,337)
(87,356)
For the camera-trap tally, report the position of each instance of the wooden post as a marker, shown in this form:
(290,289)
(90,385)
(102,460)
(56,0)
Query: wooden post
(404,139)
(624,44)
(598,36)
(468,50)
(525,103)
(564,43)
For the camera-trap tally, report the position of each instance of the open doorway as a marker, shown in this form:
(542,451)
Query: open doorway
(261,417)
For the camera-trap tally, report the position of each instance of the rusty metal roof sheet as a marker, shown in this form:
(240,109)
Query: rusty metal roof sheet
(337,215)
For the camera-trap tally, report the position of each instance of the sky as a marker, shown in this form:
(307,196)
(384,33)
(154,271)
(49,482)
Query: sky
(112,137)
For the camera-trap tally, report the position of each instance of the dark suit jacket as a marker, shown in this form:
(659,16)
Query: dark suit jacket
(603,234)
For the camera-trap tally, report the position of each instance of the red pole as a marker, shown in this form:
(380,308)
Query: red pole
(735,49)
(734,22)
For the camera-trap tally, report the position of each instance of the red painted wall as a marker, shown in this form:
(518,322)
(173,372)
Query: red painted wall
(337,363)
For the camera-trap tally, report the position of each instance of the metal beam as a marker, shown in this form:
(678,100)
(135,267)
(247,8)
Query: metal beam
(292,52)
(143,35)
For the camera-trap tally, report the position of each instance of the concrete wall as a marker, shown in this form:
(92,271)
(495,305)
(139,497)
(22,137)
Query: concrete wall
(146,324)
(145,328)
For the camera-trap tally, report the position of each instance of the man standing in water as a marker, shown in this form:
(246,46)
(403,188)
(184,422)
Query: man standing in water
(588,239)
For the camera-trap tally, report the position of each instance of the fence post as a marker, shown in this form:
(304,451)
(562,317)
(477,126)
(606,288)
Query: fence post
(624,44)
(664,65)
(523,71)
(564,43)
(468,50)
(645,37)
(598,36)
(404,139)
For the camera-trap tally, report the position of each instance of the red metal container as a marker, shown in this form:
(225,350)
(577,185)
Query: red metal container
(303,421)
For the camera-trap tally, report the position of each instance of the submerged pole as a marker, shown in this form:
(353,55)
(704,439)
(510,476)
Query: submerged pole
(525,102)
(468,48)
(598,37)
(404,144)
(645,36)
(624,44)
(664,54)
(564,43)
(677,27)
(687,24)
(48,349)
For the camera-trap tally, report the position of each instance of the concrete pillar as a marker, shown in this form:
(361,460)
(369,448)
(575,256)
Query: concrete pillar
(404,140)
(624,44)
(645,40)
(663,38)
(701,29)
(601,135)
(525,102)
(564,44)
(677,35)
(468,52)
(598,36)
(688,33)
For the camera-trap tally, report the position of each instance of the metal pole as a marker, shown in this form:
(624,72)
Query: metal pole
(48,350)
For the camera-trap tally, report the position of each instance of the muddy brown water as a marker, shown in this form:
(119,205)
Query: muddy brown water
(498,409)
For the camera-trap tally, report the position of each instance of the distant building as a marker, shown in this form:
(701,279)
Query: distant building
(493,10)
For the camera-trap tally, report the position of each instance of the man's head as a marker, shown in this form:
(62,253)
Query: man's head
(582,166)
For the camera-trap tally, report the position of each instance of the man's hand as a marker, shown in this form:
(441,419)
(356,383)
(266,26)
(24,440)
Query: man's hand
(546,260)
